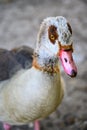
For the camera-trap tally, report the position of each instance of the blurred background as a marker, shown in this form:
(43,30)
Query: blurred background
(19,25)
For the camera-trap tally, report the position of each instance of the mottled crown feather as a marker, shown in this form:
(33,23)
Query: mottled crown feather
(62,25)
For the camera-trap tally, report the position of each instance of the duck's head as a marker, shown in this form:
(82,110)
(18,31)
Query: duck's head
(55,40)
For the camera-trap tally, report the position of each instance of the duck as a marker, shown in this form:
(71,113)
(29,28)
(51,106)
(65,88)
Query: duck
(31,85)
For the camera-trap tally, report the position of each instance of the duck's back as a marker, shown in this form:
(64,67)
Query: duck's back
(14,60)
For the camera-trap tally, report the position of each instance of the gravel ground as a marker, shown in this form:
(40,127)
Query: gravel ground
(19,24)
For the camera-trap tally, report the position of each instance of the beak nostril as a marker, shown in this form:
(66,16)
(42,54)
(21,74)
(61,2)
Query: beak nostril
(65,60)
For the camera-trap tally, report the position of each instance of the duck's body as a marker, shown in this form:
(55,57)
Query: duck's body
(31,87)
(23,101)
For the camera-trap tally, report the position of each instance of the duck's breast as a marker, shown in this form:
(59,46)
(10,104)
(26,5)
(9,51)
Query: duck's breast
(32,95)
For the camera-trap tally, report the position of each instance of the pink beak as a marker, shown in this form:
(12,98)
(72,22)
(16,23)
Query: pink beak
(68,62)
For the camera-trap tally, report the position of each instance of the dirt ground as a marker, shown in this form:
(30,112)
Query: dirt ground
(19,24)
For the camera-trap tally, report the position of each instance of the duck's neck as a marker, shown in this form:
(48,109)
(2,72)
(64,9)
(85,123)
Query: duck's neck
(46,64)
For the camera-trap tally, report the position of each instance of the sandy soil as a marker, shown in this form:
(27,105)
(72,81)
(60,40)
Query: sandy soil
(19,24)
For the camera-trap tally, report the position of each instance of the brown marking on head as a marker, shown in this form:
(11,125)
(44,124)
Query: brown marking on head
(52,33)
(69,27)
(66,47)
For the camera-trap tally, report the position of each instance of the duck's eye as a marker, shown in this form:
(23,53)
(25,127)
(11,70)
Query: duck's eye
(52,37)
(52,34)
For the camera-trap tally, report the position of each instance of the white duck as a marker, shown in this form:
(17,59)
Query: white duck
(31,88)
